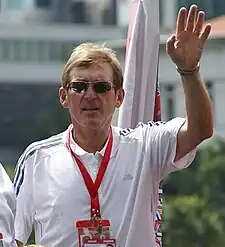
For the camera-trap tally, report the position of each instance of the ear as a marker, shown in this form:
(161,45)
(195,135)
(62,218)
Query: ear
(63,97)
(119,97)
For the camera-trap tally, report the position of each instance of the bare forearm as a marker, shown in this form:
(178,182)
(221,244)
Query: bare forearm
(185,48)
(198,108)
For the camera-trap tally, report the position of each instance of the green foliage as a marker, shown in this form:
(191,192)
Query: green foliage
(188,222)
(194,213)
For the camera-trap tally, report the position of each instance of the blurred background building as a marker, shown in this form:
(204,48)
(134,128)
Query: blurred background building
(37,36)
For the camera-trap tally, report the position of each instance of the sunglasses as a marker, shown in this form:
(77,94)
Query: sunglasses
(98,87)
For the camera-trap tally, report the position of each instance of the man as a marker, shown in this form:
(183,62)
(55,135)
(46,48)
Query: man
(95,175)
(7,210)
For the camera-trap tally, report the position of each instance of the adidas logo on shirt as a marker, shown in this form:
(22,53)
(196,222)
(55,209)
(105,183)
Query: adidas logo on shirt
(128,177)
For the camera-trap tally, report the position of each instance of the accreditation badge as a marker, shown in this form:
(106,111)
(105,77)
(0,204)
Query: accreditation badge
(94,233)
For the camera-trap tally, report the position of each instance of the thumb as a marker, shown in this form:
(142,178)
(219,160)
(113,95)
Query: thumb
(170,47)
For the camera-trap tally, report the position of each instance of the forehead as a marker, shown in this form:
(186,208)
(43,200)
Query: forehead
(95,72)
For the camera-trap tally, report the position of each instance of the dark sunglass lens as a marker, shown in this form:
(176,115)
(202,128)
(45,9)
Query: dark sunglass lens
(79,87)
(102,87)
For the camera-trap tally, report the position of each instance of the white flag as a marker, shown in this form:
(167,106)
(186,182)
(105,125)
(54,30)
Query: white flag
(141,64)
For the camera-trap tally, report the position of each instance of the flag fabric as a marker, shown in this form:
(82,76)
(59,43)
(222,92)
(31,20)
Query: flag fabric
(141,63)
(142,98)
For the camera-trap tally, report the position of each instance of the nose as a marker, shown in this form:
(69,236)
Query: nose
(90,94)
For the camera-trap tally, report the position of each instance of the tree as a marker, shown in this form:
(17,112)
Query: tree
(188,222)
(212,176)
(197,216)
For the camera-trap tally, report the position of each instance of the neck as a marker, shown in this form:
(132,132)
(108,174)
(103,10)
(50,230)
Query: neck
(91,140)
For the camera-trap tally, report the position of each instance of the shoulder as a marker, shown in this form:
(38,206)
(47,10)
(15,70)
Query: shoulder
(6,189)
(138,130)
(34,147)
(5,181)
(27,159)
(150,131)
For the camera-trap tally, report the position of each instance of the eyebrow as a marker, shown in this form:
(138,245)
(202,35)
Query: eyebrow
(79,79)
(86,80)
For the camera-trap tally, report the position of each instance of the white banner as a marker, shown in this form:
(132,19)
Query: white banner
(141,64)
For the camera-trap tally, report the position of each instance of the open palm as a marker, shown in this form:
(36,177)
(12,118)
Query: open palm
(186,46)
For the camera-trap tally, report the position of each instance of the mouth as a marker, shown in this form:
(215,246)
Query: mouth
(90,109)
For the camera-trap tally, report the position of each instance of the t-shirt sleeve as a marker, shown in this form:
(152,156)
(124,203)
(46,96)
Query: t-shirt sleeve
(23,185)
(7,209)
(162,145)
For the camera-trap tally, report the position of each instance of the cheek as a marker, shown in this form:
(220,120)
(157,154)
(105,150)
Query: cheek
(74,103)
(110,102)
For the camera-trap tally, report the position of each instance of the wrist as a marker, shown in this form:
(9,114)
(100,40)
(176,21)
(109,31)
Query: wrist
(192,72)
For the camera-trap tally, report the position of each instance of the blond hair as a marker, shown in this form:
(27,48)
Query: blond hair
(89,54)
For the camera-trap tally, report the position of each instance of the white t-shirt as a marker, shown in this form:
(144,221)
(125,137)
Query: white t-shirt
(7,209)
(52,196)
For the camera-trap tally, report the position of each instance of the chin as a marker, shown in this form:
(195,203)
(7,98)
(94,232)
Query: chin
(96,123)
(92,124)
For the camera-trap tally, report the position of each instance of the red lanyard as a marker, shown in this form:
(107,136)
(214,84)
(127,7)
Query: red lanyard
(92,187)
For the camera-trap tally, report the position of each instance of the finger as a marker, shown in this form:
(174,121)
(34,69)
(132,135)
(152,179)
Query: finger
(199,23)
(191,18)
(205,34)
(180,26)
(170,47)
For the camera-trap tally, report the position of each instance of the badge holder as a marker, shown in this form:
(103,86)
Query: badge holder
(94,233)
